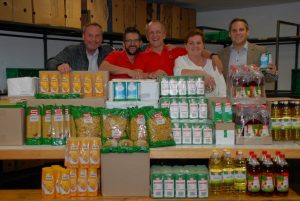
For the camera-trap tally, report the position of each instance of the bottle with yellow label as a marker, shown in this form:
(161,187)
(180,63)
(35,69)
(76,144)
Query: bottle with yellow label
(65,184)
(54,83)
(76,83)
(65,83)
(44,82)
(82,182)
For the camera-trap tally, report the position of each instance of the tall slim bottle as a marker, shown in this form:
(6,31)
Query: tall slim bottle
(215,173)
(240,173)
(227,172)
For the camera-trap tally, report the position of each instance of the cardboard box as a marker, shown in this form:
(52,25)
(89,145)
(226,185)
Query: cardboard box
(22,11)
(73,13)
(93,101)
(225,133)
(12,124)
(98,12)
(253,140)
(117,16)
(6,10)
(125,174)
(49,12)
(141,15)
(129,13)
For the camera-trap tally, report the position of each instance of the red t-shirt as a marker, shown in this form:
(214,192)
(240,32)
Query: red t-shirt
(151,61)
(120,58)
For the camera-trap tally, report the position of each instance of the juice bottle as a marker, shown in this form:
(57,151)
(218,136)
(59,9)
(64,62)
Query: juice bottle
(240,120)
(240,173)
(251,152)
(276,157)
(282,176)
(227,172)
(275,117)
(267,176)
(215,173)
(253,176)
(263,156)
(254,124)
(286,121)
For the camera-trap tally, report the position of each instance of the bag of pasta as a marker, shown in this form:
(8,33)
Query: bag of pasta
(159,127)
(137,127)
(114,126)
(67,120)
(73,132)
(46,124)
(87,121)
(33,126)
(57,122)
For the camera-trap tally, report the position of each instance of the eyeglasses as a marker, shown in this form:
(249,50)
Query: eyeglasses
(132,41)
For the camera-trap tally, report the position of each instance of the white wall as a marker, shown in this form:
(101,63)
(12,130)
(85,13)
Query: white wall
(262,22)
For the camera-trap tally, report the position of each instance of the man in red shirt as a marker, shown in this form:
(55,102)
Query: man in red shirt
(120,64)
(158,59)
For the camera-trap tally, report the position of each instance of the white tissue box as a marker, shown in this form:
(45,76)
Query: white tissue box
(22,86)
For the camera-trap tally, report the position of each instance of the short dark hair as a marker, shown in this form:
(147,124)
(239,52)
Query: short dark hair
(131,30)
(91,24)
(238,20)
(195,32)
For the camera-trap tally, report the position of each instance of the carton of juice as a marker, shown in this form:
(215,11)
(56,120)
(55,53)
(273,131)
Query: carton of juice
(82,182)
(72,153)
(65,184)
(57,178)
(95,143)
(48,183)
(65,83)
(92,182)
(44,82)
(84,152)
(88,85)
(73,182)
(54,83)
(99,85)
(76,83)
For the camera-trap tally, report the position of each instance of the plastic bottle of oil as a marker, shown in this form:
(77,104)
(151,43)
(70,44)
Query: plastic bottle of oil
(286,121)
(282,176)
(296,121)
(215,173)
(240,181)
(227,172)
(253,176)
(267,177)
(275,117)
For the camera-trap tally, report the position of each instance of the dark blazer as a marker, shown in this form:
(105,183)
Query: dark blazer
(75,56)
(253,55)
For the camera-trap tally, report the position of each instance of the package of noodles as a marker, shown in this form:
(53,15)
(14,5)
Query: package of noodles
(114,126)
(67,120)
(33,125)
(159,127)
(46,124)
(87,121)
(137,127)
(57,124)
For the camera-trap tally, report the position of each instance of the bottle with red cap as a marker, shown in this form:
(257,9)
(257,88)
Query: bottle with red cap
(267,176)
(263,156)
(282,176)
(276,157)
(253,176)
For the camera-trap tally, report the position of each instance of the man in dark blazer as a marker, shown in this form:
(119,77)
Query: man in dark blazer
(241,51)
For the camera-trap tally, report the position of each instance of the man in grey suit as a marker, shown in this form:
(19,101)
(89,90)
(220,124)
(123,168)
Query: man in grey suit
(243,52)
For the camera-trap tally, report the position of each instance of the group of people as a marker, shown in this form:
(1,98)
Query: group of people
(159,59)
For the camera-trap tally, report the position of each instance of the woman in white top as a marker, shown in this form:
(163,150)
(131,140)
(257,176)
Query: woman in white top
(194,64)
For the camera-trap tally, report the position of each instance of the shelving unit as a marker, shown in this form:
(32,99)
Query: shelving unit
(291,150)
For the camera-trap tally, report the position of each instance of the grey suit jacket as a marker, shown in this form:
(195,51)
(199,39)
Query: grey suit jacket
(253,55)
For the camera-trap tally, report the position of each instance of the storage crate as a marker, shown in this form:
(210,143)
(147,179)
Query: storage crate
(22,72)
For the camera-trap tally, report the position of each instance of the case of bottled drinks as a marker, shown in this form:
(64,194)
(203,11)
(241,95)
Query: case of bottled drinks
(246,85)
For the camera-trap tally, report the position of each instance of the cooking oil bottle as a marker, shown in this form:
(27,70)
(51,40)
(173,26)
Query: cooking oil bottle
(215,173)
(296,120)
(282,176)
(227,172)
(276,120)
(286,127)
(240,173)
(267,177)
(253,176)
